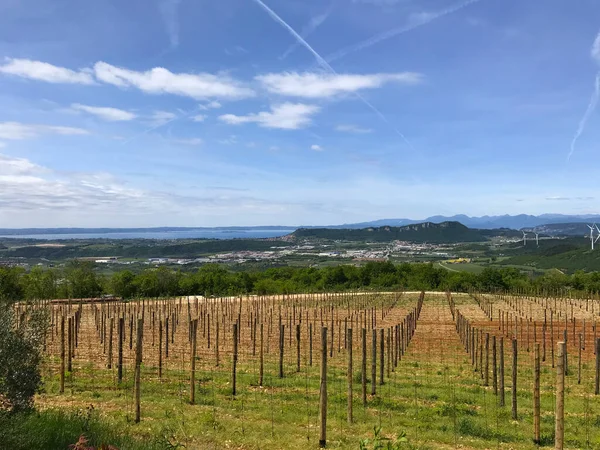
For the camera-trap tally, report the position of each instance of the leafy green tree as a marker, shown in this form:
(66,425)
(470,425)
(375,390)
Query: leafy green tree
(81,280)
(39,284)
(123,284)
(10,283)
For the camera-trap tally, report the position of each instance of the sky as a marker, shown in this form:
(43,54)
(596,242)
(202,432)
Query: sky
(146,113)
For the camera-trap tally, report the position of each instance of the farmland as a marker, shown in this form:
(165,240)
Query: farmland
(430,379)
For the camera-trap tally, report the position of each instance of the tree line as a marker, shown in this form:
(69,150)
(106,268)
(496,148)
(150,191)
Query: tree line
(81,280)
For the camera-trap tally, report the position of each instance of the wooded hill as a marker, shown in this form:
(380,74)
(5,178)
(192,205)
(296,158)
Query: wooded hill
(428,232)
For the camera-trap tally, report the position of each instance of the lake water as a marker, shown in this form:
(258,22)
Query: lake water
(183,234)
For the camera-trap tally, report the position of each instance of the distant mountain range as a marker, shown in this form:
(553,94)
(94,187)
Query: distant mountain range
(521,221)
(485,222)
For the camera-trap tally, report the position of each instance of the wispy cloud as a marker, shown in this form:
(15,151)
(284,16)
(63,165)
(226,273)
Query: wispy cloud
(595,54)
(210,105)
(190,141)
(230,140)
(380,2)
(19,131)
(352,129)
(105,113)
(286,116)
(160,118)
(199,118)
(323,63)
(415,21)
(324,85)
(41,71)
(162,81)
(316,148)
(314,23)
(169,10)
(558,199)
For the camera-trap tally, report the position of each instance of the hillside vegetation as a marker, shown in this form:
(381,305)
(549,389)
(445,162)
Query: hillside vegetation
(428,232)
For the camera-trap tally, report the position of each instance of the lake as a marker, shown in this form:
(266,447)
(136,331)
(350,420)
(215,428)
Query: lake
(239,233)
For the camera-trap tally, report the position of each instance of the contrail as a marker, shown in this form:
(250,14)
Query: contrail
(595,54)
(589,111)
(312,25)
(325,65)
(397,31)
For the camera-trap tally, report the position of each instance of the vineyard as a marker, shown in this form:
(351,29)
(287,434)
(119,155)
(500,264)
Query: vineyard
(432,370)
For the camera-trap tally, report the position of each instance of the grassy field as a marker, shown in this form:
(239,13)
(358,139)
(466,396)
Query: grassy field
(433,396)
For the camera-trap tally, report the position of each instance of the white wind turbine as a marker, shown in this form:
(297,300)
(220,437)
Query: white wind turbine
(597,237)
(591,227)
(524,238)
(537,239)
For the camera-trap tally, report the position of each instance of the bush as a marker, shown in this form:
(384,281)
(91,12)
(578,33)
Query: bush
(20,357)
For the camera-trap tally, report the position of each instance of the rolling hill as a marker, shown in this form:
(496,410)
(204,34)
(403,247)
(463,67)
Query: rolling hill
(442,233)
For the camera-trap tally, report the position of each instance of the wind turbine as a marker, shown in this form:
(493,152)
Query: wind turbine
(591,227)
(597,237)
(524,239)
(537,239)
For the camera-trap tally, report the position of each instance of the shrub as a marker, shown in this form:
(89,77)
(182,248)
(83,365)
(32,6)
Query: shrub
(20,357)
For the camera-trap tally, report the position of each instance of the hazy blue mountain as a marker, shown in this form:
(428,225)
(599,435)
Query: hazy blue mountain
(486,222)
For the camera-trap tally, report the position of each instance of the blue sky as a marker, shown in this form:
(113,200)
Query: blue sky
(255,112)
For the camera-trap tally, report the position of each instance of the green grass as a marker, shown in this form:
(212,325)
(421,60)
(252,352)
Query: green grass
(57,429)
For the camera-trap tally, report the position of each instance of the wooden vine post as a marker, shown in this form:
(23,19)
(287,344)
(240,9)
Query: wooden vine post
(234,361)
(323,396)
(536,394)
(559,433)
(514,379)
(349,350)
(138,369)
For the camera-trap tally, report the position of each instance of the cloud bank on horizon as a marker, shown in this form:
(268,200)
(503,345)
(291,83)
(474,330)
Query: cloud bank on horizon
(183,114)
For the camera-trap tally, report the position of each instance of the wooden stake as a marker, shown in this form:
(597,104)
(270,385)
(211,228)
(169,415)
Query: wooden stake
(536,394)
(261,367)
(62,355)
(234,362)
(348,341)
(120,349)
(323,397)
(363,367)
(374,362)
(138,369)
(559,433)
(501,387)
(193,363)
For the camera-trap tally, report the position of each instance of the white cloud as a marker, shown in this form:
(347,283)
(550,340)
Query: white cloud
(17,166)
(323,85)
(191,141)
(161,81)
(169,10)
(595,52)
(18,131)
(421,17)
(105,113)
(2,144)
(231,140)
(162,117)
(352,129)
(199,118)
(316,148)
(41,71)
(286,116)
(211,105)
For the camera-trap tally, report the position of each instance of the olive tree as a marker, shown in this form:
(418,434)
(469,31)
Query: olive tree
(20,357)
